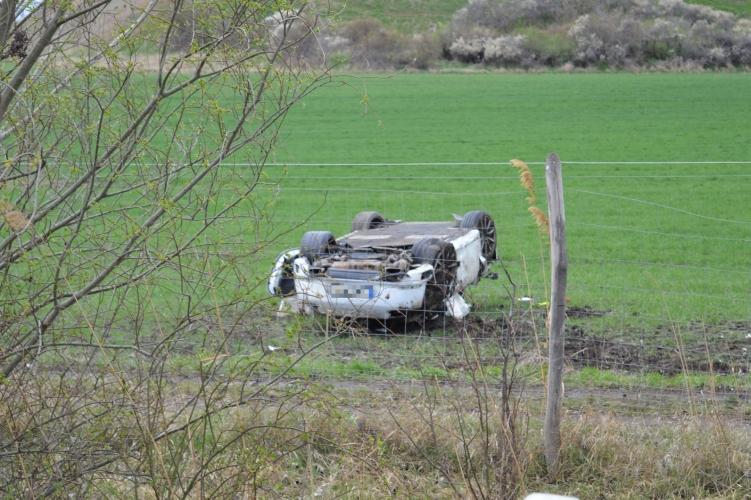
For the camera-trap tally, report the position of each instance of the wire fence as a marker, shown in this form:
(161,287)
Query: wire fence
(659,295)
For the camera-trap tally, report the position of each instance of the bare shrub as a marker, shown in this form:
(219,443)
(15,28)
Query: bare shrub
(590,47)
(425,50)
(507,50)
(372,46)
(119,306)
(616,33)
(312,50)
(606,39)
(741,50)
(365,44)
(549,46)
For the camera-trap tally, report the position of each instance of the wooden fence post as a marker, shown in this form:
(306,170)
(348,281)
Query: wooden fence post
(557,313)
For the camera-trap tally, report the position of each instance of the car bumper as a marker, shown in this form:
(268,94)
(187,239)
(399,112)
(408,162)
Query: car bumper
(360,298)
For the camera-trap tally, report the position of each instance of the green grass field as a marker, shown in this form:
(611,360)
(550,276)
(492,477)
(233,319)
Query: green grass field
(661,241)
(738,7)
(410,16)
(656,249)
(659,251)
(649,243)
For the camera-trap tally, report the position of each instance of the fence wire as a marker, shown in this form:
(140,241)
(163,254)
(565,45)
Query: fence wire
(659,295)
(658,298)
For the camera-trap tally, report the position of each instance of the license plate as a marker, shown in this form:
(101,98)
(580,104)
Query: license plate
(342,291)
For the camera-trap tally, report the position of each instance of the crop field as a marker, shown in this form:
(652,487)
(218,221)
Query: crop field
(659,223)
(738,7)
(657,185)
(669,238)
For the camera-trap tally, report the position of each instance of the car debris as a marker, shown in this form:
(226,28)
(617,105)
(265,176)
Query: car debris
(385,269)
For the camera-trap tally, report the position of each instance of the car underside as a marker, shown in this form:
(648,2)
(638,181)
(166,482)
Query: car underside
(387,269)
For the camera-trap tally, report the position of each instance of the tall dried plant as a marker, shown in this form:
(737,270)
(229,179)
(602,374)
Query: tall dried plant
(527,180)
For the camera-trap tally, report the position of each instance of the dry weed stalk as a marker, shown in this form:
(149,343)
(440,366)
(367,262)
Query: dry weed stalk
(527,181)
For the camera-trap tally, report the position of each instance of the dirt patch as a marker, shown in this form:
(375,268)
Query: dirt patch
(584,312)
(696,348)
(722,348)
(668,349)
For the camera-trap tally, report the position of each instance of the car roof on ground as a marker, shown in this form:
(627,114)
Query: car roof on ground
(403,234)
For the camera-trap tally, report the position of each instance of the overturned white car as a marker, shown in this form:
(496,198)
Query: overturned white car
(387,269)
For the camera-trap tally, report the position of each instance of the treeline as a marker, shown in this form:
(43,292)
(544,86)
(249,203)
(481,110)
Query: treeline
(549,33)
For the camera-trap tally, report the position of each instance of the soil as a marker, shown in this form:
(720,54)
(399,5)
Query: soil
(722,348)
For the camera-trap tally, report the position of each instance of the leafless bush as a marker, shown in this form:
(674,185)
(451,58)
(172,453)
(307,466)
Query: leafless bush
(617,33)
(471,51)
(118,313)
(425,50)
(529,33)
(505,49)
(741,50)
(372,46)
(606,39)
(486,431)
(368,44)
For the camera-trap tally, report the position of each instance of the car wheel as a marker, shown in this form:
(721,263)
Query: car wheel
(483,222)
(316,243)
(442,256)
(367,220)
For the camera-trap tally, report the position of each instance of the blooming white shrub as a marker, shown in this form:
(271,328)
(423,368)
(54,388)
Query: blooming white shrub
(468,50)
(620,33)
(507,49)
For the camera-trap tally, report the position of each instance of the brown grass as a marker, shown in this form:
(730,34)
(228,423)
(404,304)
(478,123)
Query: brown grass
(526,179)
(654,457)
(377,443)
(390,451)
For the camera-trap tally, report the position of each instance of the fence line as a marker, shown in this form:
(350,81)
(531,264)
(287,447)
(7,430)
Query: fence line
(492,163)
(659,233)
(405,191)
(667,345)
(435,163)
(659,205)
(639,299)
(505,177)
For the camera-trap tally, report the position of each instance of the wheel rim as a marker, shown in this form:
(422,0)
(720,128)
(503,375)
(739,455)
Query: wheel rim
(443,269)
(487,229)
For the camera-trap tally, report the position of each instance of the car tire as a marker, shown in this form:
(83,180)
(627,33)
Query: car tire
(442,256)
(316,243)
(367,220)
(483,222)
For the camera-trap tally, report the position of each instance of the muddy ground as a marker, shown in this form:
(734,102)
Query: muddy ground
(668,349)
(722,348)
